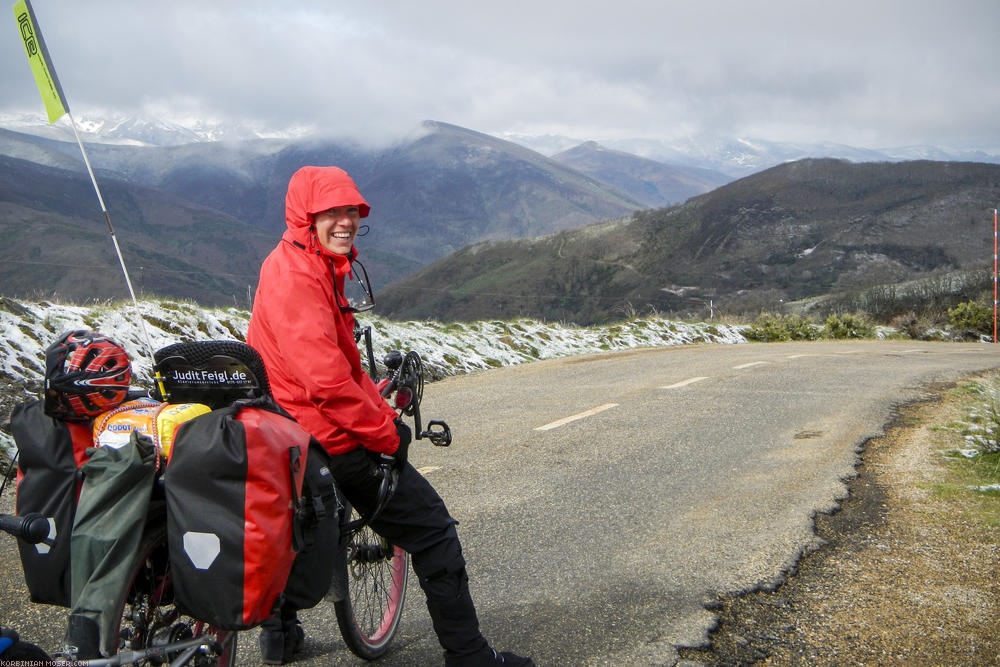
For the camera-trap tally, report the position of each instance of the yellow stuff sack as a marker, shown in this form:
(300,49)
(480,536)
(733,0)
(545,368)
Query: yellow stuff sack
(157,420)
(172,417)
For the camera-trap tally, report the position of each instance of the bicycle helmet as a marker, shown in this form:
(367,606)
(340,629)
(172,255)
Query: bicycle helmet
(86,373)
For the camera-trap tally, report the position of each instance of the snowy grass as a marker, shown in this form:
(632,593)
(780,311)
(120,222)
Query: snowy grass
(447,349)
(28,327)
(974,464)
(980,425)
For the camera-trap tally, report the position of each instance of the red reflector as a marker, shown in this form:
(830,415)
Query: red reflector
(403,398)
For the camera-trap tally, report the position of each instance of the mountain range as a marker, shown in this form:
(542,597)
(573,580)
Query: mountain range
(741,156)
(195,217)
(803,229)
(213,209)
(733,156)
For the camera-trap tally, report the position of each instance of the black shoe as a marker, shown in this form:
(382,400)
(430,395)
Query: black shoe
(279,644)
(488,657)
(513,660)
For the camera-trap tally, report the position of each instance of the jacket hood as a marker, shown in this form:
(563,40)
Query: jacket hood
(315,189)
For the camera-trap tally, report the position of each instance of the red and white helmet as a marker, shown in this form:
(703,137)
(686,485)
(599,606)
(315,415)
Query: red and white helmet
(86,373)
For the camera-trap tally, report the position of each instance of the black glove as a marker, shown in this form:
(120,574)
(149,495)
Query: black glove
(405,437)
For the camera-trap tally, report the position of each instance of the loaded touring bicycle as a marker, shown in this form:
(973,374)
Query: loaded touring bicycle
(185,505)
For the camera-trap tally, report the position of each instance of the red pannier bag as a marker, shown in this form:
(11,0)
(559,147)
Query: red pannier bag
(233,485)
(50,453)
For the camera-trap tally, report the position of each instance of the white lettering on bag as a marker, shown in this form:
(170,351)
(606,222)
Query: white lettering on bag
(211,377)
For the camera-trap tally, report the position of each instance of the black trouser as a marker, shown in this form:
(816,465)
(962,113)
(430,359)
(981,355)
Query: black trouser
(417,520)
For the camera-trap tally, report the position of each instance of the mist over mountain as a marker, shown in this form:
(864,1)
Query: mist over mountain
(742,156)
(196,217)
(731,155)
(653,183)
(130,130)
(441,190)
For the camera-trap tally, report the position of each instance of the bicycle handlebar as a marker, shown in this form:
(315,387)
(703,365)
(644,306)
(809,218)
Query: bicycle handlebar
(32,528)
(406,379)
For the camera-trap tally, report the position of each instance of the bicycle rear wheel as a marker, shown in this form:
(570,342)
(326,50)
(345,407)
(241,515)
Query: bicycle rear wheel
(149,618)
(376,576)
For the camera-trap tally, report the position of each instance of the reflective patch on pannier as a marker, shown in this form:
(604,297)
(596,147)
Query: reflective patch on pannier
(43,547)
(202,548)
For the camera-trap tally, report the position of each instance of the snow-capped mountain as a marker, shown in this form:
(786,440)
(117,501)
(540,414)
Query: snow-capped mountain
(143,130)
(739,157)
(735,157)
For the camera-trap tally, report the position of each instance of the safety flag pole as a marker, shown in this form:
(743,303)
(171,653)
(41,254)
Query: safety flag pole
(994,275)
(56,107)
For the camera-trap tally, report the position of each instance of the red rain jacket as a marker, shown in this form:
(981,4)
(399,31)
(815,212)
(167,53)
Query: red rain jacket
(306,342)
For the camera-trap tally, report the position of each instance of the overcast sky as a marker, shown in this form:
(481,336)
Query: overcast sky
(869,73)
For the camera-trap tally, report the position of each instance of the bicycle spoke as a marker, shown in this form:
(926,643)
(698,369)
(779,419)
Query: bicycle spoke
(372,577)
(376,579)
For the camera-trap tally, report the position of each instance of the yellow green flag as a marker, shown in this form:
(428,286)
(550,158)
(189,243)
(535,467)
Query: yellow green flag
(41,64)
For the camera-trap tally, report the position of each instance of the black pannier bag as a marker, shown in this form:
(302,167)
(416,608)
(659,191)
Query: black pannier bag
(233,486)
(50,454)
(233,482)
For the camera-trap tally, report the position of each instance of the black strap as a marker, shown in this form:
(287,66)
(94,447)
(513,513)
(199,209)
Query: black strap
(294,465)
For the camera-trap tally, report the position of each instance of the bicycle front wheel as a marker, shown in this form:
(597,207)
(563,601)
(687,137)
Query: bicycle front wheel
(376,576)
(150,620)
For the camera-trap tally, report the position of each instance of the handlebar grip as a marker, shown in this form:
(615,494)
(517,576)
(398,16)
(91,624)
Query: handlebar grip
(386,489)
(32,527)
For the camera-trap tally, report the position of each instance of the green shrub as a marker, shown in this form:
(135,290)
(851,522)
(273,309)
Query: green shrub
(849,326)
(770,328)
(802,328)
(972,316)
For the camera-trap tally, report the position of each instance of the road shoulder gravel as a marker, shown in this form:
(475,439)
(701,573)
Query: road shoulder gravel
(901,579)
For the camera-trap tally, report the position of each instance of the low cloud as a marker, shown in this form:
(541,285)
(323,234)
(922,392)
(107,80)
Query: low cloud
(874,74)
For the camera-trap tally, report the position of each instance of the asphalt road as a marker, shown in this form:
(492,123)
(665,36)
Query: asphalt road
(605,500)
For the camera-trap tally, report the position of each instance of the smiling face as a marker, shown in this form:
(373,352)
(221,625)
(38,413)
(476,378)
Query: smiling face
(337,227)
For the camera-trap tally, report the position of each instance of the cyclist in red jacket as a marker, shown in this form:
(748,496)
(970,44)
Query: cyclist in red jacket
(303,327)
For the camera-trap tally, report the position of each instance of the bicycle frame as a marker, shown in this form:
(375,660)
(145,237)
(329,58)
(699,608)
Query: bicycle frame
(188,649)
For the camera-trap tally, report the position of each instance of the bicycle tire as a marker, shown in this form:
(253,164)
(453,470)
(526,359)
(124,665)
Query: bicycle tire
(376,573)
(149,618)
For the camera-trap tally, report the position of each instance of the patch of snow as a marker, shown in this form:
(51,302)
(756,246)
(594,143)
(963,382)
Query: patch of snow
(986,487)
(29,327)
